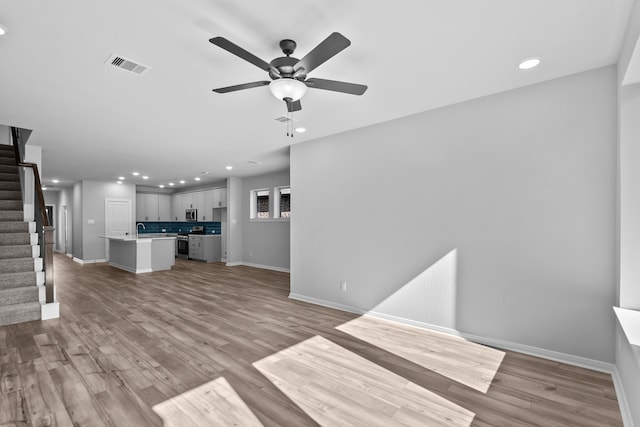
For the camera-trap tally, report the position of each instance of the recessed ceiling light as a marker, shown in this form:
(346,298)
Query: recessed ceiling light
(528,63)
(119,182)
(206,173)
(145,177)
(44,188)
(229,168)
(121,178)
(135,173)
(182,181)
(161,185)
(197,178)
(171,184)
(301,129)
(55,181)
(3,30)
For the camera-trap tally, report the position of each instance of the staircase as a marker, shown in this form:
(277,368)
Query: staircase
(21,276)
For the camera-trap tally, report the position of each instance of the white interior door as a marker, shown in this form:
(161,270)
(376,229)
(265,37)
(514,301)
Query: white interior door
(118,218)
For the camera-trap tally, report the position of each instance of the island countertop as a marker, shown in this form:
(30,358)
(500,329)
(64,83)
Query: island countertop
(140,237)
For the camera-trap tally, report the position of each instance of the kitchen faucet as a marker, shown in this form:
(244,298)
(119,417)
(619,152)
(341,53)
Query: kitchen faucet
(137,229)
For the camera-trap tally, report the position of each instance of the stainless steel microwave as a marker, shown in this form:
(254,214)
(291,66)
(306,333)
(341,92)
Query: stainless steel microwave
(191,214)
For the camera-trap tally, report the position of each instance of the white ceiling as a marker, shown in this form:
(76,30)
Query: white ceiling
(97,122)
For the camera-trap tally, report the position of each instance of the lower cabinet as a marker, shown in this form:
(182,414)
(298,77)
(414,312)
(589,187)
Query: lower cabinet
(204,248)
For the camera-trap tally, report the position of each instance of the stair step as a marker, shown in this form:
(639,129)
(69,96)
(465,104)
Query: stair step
(12,216)
(11,205)
(9,176)
(13,239)
(8,168)
(10,185)
(19,295)
(18,280)
(16,251)
(19,313)
(14,226)
(10,194)
(7,160)
(17,265)
(7,151)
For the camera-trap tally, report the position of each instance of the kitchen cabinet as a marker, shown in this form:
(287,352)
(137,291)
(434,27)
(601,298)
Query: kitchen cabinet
(204,248)
(164,207)
(177,209)
(153,207)
(219,197)
(199,200)
(139,207)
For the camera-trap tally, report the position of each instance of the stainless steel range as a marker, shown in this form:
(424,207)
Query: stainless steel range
(182,241)
(182,246)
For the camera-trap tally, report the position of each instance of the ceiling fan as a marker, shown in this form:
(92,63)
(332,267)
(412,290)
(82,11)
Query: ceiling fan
(288,74)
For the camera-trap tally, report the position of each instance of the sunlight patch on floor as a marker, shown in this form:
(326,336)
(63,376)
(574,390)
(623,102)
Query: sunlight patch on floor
(212,404)
(336,387)
(468,363)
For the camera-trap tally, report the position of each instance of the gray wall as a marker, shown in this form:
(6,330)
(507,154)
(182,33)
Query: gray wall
(629,219)
(494,217)
(93,208)
(265,242)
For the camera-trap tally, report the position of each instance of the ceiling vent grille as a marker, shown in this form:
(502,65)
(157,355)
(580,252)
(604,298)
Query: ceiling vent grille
(127,64)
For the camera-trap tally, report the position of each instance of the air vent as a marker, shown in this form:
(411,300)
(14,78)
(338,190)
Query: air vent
(126,64)
(283,119)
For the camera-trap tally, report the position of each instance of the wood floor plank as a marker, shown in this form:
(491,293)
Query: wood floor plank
(206,344)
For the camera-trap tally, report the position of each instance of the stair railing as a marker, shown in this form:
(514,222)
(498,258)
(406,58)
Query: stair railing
(45,230)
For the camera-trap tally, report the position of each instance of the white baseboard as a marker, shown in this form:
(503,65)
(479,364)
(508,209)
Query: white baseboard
(625,410)
(129,269)
(569,359)
(265,267)
(69,255)
(50,311)
(88,261)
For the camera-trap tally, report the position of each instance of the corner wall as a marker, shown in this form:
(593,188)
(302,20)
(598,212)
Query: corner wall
(494,217)
(629,216)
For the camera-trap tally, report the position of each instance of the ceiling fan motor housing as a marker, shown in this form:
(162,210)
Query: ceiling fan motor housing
(285,65)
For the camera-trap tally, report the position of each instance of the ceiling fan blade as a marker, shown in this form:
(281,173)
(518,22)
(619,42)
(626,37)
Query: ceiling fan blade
(240,87)
(241,53)
(294,106)
(336,86)
(328,48)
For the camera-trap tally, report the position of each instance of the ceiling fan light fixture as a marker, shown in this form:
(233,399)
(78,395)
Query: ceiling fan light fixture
(287,87)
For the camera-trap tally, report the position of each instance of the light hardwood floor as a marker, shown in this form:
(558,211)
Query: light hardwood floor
(206,344)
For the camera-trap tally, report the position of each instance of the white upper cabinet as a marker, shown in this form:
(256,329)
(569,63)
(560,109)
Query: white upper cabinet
(177,208)
(220,198)
(164,207)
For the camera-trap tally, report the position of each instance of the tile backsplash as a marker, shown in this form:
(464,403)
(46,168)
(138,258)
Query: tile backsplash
(210,227)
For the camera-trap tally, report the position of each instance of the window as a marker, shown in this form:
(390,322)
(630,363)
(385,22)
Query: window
(259,204)
(282,205)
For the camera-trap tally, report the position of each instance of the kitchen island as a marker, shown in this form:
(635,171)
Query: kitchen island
(142,254)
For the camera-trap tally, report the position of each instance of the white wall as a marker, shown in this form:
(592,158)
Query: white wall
(495,217)
(265,242)
(629,214)
(77,242)
(93,211)
(5,135)
(234,216)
